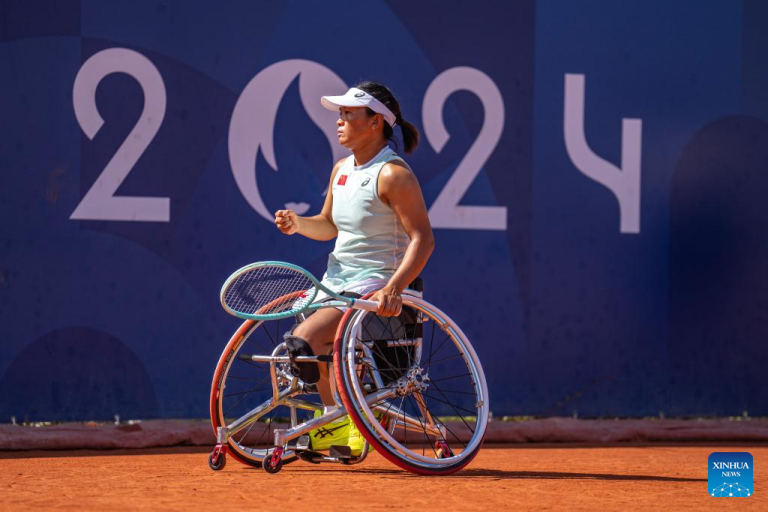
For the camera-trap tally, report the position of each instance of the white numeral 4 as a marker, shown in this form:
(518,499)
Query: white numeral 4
(624,183)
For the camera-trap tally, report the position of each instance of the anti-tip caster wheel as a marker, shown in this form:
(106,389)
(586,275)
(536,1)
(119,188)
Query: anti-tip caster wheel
(442,450)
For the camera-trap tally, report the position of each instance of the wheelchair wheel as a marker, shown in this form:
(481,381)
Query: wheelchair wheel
(414,387)
(240,386)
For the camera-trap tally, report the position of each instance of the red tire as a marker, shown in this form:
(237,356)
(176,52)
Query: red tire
(251,455)
(393,450)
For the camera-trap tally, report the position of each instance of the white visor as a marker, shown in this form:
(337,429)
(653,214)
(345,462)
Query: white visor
(358,98)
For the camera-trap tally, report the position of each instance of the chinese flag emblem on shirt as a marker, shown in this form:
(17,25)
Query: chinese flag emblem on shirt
(342,180)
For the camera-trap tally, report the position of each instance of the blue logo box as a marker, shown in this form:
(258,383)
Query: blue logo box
(730,475)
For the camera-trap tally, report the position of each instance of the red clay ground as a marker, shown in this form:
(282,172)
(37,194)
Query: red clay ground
(500,478)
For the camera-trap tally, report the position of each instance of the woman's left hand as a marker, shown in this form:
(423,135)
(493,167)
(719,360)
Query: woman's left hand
(390,301)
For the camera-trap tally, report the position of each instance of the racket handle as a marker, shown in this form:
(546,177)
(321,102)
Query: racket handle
(368,305)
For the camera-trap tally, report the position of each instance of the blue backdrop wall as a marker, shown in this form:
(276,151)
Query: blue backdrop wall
(595,173)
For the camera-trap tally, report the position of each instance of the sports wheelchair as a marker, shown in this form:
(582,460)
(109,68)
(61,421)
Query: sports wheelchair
(412,384)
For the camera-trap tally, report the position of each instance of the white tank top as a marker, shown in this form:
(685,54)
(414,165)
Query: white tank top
(371,241)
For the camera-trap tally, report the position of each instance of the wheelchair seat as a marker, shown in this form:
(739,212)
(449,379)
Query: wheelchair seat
(383,332)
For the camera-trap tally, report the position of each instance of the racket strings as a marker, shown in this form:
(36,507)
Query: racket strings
(267,290)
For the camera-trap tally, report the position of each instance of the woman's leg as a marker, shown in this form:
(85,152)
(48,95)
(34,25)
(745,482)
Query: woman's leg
(319,331)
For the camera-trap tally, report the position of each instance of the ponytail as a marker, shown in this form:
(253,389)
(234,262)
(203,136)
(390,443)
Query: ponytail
(410,135)
(384,95)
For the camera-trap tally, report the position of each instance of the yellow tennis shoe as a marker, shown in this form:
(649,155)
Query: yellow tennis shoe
(334,433)
(340,432)
(356,441)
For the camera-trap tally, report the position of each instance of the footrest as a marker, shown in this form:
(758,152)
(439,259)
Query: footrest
(340,452)
(310,456)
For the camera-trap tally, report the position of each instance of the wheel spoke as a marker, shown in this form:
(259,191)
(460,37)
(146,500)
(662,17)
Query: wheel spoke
(268,429)
(234,405)
(251,379)
(451,377)
(445,359)
(459,392)
(405,430)
(424,431)
(451,431)
(242,438)
(431,344)
(260,366)
(247,392)
(428,362)
(454,408)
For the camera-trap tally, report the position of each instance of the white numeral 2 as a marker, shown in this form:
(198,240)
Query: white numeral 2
(100,203)
(446,211)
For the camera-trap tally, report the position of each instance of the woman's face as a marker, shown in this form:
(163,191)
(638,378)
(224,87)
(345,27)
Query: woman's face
(355,128)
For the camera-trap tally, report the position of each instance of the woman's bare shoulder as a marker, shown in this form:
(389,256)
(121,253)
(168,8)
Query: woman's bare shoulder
(393,165)
(397,180)
(396,172)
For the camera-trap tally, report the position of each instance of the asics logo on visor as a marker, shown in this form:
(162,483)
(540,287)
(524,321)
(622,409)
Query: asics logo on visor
(359,95)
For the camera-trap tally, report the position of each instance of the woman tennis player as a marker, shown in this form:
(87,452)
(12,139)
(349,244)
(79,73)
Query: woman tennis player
(376,212)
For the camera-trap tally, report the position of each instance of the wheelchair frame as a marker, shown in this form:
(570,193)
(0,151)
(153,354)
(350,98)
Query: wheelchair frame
(293,442)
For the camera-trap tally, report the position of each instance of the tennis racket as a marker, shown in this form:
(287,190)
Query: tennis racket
(270,290)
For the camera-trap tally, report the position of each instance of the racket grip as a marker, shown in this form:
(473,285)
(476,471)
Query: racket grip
(368,305)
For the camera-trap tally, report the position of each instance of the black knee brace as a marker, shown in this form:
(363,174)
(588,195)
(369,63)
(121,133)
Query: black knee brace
(298,346)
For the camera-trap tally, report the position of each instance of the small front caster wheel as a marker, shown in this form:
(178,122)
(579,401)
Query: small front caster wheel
(217,461)
(271,467)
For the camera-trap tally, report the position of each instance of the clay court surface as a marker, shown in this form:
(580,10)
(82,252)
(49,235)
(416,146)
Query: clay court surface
(501,478)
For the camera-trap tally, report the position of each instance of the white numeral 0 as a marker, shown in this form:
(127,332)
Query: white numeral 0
(446,211)
(100,203)
(253,122)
